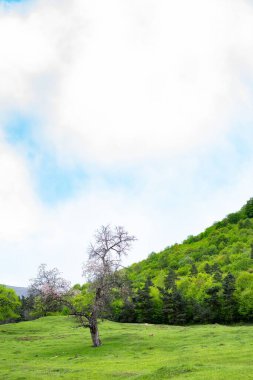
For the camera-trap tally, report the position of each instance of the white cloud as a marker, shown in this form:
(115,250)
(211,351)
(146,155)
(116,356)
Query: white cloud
(20,209)
(149,85)
(130,79)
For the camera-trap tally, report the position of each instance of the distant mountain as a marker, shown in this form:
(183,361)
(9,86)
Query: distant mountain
(21,291)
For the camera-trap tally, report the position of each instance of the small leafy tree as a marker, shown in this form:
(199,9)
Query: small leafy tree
(48,290)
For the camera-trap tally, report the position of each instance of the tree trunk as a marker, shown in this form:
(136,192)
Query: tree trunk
(95,335)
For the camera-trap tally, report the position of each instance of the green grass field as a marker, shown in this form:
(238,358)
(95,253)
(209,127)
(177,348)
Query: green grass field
(54,347)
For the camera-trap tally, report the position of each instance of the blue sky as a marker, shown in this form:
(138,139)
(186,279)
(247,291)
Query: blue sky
(56,182)
(53,181)
(112,112)
(11,3)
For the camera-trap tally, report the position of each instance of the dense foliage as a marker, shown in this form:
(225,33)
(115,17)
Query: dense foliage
(9,305)
(207,278)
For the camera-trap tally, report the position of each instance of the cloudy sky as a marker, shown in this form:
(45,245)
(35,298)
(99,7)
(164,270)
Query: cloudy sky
(133,112)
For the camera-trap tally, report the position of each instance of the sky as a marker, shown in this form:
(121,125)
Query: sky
(134,113)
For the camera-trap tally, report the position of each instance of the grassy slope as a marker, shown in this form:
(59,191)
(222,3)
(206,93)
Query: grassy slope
(53,347)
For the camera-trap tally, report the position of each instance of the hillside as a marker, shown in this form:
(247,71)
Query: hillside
(53,347)
(227,243)
(206,271)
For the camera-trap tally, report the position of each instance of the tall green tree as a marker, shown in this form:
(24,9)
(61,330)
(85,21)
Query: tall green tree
(174,305)
(128,312)
(145,303)
(213,305)
(229,304)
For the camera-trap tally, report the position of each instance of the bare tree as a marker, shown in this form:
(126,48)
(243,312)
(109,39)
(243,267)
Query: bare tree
(102,272)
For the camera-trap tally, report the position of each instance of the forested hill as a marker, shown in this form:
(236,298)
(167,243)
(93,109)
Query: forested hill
(227,244)
(204,272)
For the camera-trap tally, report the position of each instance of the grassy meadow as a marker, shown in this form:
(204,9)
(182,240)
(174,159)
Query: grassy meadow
(54,347)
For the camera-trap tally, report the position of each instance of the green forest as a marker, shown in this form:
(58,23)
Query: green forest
(206,279)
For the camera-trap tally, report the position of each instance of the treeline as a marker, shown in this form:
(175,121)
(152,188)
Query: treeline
(227,300)
(220,303)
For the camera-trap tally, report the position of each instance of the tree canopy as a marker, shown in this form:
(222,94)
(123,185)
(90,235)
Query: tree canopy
(9,304)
